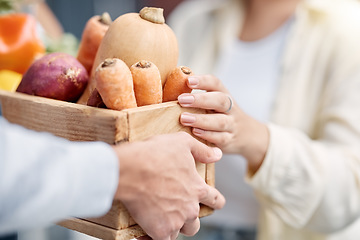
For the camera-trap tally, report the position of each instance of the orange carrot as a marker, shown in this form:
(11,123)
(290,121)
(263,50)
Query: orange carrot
(147,83)
(176,83)
(92,35)
(115,85)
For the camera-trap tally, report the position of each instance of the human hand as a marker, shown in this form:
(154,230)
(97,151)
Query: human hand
(225,124)
(160,186)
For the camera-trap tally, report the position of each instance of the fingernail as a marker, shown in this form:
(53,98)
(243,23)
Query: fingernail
(187,118)
(217,152)
(198,131)
(186,99)
(193,81)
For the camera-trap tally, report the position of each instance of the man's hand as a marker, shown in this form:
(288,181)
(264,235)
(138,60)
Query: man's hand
(160,186)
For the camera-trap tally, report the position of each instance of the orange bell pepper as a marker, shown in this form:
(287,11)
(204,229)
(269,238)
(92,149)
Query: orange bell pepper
(19,44)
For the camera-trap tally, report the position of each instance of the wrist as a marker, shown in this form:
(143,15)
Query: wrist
(122,166)
(256,147)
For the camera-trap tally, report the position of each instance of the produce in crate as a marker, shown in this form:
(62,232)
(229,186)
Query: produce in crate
(138,41)
(133,37)
(147,83)
(176,83)
(115,84)
(55,75)
(92,35)
(81,123)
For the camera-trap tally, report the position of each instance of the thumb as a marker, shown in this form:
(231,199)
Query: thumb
(203,153)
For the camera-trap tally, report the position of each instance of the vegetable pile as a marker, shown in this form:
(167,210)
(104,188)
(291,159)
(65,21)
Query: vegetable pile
(125,63)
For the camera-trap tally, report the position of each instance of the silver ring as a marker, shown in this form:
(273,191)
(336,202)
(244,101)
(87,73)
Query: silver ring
(231,104)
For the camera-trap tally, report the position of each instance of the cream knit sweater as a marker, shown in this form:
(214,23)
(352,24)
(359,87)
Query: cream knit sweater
(309,184)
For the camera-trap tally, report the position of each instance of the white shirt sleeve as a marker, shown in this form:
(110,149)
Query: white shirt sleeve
(44,179)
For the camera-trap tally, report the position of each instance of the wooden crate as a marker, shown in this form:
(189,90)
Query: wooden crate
(83,123)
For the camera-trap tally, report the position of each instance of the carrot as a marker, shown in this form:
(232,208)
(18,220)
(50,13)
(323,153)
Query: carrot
(115,85)
(91,38)
(176,83)
(147,83)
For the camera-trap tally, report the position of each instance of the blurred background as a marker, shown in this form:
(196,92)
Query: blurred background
(61,22)
(74,14)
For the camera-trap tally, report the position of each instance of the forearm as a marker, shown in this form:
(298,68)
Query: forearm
(44,178)
(255,147)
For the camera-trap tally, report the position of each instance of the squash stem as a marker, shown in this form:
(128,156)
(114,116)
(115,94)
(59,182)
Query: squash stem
(186,70)
(143,64)
(108,63)
(105,18)
(152,14)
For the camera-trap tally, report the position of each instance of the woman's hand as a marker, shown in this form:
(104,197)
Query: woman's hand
(225,125)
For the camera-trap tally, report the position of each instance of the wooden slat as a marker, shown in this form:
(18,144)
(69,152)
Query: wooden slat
(210,174)
(102,232)
(210,180)
(117,217)
(156,119)
(68,120)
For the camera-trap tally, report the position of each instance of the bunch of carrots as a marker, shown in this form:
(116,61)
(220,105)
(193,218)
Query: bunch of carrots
(119,87)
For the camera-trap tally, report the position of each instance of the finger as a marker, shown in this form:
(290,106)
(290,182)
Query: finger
(206,82)
(210,122)
(191,228)
(202,152)
(216,101)
(212,198)
(220,139)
